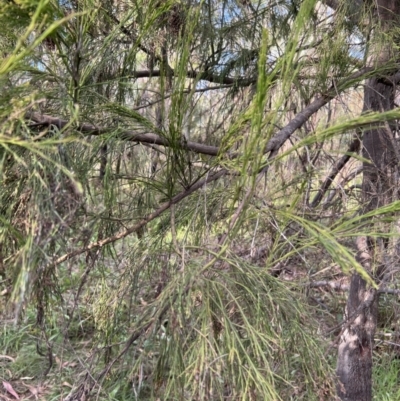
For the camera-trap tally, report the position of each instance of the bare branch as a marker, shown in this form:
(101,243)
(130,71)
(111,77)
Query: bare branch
(353,148)
(133,136)
(284,134)
(200,75)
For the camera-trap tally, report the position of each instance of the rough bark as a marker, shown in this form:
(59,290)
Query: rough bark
(354,367)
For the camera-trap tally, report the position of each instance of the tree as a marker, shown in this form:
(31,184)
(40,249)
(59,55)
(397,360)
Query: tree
(168,162)
(379,188)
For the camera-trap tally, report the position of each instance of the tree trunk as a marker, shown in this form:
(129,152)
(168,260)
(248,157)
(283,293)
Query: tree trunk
(354,366)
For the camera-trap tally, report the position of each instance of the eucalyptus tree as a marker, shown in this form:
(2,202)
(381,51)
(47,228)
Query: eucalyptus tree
(163,160)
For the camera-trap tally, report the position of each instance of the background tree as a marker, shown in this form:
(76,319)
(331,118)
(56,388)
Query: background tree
(379,188)
(180,184)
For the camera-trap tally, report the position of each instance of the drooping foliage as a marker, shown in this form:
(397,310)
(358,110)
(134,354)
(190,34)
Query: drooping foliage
(168,189)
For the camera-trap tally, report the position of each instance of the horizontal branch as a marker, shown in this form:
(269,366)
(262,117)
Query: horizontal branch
(127,135)
(204,75)
(200,75)
(274,144)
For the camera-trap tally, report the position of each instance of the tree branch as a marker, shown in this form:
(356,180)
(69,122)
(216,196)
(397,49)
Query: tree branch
(284,134)
(354,147)
(124,233)
(200,75)
(46,120)
(205,75)
(274,144)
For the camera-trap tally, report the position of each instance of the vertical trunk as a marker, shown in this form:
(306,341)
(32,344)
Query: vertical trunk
(354,369)
(354,366)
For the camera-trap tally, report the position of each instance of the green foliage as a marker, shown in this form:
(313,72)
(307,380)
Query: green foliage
(120,252)
(386,379)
